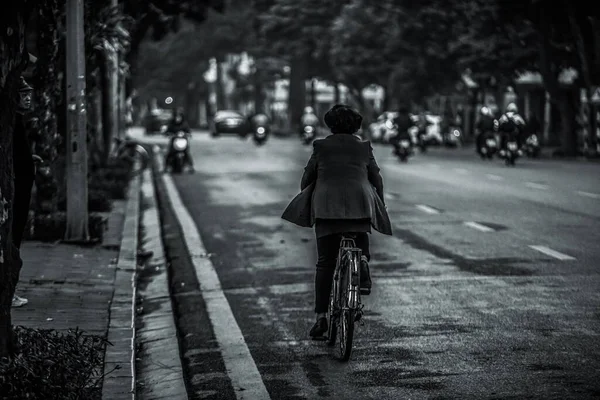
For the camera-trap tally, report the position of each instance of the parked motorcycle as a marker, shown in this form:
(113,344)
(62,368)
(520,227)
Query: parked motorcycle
(260,134)
(532,146)
(179,145)
(309,133)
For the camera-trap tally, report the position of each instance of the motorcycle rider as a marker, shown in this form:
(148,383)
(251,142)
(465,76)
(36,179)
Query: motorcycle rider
(510,126)
(177,124)
(403,124)
(485,126)
(258,119)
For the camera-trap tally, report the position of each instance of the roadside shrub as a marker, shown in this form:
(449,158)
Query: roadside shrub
(98,201)
(52,227)
(53,365)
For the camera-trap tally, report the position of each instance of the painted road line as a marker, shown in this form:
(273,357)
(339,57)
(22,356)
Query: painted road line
(479,227)
(552,253)
(494,177)
(427,209)
(588,194)
(534,185)
(241,368)
(461,171)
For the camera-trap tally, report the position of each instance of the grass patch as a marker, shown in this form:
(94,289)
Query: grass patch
(53,365)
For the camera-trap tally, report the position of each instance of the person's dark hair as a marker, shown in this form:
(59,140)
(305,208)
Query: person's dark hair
(343,119)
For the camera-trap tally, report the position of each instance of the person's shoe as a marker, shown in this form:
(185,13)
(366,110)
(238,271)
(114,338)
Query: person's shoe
(365,277)
(319,328)
(19,301)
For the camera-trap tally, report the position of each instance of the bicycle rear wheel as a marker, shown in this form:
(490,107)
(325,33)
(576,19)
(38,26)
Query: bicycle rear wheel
(333,319)
(346,315)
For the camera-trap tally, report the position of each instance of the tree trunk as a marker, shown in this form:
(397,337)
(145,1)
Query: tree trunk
(297,92)
(258,95)
(550,72)
(313,94)
(336,88)
(568,138)
(386,100)
(12,40)
(107,108)
(137,36)
(220,87)
(96,149)
(587,76)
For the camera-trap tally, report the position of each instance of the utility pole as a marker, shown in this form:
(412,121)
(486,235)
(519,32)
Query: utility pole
(112,59)
(77,195)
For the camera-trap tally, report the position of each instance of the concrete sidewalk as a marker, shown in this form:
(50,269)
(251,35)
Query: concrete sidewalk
(70,286)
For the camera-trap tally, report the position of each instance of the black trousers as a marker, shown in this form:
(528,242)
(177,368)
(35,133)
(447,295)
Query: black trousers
(327,250)
(24,170)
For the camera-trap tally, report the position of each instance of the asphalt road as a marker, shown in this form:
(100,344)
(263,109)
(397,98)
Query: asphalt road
(489,288)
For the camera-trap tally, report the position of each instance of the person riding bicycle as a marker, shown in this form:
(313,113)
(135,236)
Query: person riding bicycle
(177,124)
(342,192)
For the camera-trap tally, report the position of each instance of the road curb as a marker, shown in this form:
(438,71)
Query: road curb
(119,358)
(159,367)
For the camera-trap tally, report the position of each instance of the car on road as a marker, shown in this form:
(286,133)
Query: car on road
(228,121)
(157,121)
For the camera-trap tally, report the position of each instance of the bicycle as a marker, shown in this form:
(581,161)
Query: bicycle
(128,149)
(345,307)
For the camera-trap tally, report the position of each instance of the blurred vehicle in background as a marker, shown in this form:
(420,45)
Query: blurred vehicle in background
(157,121)
(532,146)
(489,145)
(383,129)
(260,128)
(178,156)
(453,137)
(309,132)
(432,134)
(228,121)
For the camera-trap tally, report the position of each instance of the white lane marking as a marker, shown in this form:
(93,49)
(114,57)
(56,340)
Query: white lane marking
(552,253)
(461,171)
(588,194)
(241,368)
(534,185)
(427,209)
(494,177)
(389,196)
(479,227)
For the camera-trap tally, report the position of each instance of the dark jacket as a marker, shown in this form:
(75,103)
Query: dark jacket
(340,181)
